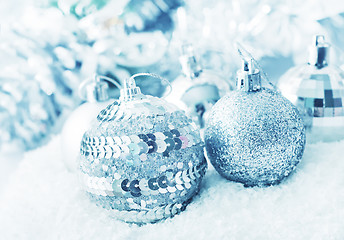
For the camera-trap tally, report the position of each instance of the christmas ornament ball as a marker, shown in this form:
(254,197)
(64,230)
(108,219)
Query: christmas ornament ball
(317,89)
(143,159)
(319,96)
(96,94)
(75,126)
(197,89)
(254,136)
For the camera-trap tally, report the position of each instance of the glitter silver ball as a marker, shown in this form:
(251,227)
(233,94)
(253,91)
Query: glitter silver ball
(256,138)
(319,96)
(142,160)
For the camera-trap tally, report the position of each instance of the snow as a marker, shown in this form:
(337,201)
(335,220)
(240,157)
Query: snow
(43,200)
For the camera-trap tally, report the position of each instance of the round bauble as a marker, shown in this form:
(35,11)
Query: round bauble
(254,136)
(143,159)
(197,89)
(317,89)
(197,96)
(137,34)
(96,94)
(74,128)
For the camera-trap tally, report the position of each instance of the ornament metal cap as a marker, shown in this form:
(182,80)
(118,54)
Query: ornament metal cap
(130,91)
(248,77)
(96,89)
(318,52)
(190,66)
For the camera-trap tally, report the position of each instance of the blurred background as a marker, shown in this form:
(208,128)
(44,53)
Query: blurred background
(49,47)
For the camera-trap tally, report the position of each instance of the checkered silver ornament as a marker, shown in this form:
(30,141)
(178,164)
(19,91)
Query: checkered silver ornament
(317,89)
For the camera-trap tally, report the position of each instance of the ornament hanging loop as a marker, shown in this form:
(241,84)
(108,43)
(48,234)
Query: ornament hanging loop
(96,89)
(131,92)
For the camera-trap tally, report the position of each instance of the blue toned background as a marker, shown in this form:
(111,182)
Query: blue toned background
(48,47)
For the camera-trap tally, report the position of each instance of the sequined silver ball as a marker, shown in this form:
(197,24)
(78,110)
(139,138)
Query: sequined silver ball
(143,160)
(256,138)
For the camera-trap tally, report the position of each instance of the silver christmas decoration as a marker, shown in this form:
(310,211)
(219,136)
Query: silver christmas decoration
(254,135)
(96,94)
(197,89)
(143,159)
(137,36)
(317,89)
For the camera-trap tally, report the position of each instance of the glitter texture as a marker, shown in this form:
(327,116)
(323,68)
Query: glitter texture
(256,138)
(319,96)
(142,160)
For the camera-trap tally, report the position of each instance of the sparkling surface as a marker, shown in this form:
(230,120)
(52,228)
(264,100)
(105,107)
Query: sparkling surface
(319,96)
(142,159)
(256,138)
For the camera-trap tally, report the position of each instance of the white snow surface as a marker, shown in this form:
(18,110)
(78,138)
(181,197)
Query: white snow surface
(44,201)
